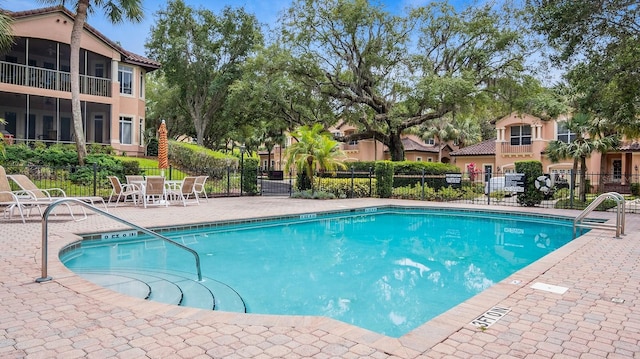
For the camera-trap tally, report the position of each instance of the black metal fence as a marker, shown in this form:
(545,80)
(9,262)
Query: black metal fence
(557,190)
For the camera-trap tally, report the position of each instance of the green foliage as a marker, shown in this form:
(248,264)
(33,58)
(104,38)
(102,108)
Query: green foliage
(309,194)
(131,168)
(449,194)
(303,182)
(580,205)
(531,195)
(635,189)
(106,166)
(341,187)
(152,147)
(192,157)
(202,55)
(250,176)
(412,170)
(384,178)
(421,46)
(562,193)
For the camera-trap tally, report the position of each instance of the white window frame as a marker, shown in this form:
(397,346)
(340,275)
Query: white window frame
(564,134)
(125,123)
(141,84)
(520,138)
(124,73)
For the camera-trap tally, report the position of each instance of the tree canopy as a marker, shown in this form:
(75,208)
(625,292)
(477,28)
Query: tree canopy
(201,54)
(388,73)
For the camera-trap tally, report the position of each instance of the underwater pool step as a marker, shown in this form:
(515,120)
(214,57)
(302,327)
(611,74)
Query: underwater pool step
(167,287)
(133,284)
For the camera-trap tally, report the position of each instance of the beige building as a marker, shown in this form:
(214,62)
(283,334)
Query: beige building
(35,86)
(525,137)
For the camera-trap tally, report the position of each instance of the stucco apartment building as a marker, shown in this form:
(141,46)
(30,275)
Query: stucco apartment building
(370,149)
(521,137)
(35,85)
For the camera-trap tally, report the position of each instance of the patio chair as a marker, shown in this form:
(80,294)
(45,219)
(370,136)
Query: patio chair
(133,179)
(184,191)
(154,191)
(198,187)
(45,195)
(123,191)
(8,198)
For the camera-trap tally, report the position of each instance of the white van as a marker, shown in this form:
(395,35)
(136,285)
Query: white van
(495,184)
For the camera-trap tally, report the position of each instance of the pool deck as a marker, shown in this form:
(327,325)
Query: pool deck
(68,317)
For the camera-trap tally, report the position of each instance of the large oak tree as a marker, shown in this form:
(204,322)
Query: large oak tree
(388,73)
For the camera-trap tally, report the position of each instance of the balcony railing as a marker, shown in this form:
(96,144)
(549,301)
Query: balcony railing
(22,75)
(519,149)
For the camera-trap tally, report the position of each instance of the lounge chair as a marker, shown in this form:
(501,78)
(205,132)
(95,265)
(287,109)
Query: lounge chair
(45,195)
(154,191)
(8,198)
(19,200)
(198,187)
(184,191)
(123,191)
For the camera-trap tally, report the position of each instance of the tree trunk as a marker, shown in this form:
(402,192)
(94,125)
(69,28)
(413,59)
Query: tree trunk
(76,35)
(583,179)
(396,149)
(603,171)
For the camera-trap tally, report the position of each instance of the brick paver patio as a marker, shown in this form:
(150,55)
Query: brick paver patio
(68,317)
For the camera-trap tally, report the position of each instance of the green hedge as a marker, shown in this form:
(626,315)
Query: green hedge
(531,195)
(384,179)
(189,156)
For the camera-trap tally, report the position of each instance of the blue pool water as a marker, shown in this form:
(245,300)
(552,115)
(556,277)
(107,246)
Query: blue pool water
(388,271)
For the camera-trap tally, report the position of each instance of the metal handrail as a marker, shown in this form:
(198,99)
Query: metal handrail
(620,214)
(45,230)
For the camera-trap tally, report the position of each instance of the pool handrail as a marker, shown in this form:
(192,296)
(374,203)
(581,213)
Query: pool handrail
(45,240)
(579,221)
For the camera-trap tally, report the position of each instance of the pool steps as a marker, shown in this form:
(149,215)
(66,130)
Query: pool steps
(166,287)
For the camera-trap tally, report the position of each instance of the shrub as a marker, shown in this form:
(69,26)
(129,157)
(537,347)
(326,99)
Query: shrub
(341,187)
(250,176)
(635,189)
(384,178)
(448,194)
(531,195)
(411,172)
(308,194)
(194,157)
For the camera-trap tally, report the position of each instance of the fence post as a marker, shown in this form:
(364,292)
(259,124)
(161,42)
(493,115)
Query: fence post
(487,180)
(572,180)
(228,181)
(370,181)
(95,178)
(170,170)
(290,184)
(352,188)
(422,186)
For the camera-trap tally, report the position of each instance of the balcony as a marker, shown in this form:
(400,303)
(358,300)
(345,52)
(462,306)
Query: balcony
(22,75)
(509,149)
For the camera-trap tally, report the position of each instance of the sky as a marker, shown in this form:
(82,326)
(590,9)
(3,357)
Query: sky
(133,36)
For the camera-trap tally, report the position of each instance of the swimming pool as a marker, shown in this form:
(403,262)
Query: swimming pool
(384,269)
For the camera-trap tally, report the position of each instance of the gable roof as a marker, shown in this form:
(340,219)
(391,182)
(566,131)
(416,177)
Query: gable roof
(630,146)
(412,145)
(127,56)
(484,148)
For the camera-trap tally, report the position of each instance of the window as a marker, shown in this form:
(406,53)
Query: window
(431,141)
(418,159)
(564,133)
(521,135)
(141,131)
(125,77)
(126,126)
(141,84)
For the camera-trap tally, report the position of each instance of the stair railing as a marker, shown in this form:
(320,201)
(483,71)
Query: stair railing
(45,234)
(579,221)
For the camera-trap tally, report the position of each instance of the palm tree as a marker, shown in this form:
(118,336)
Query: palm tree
(580,148)
(6,37)
(469,131)
(442,131)
(315,149)
(116,11)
